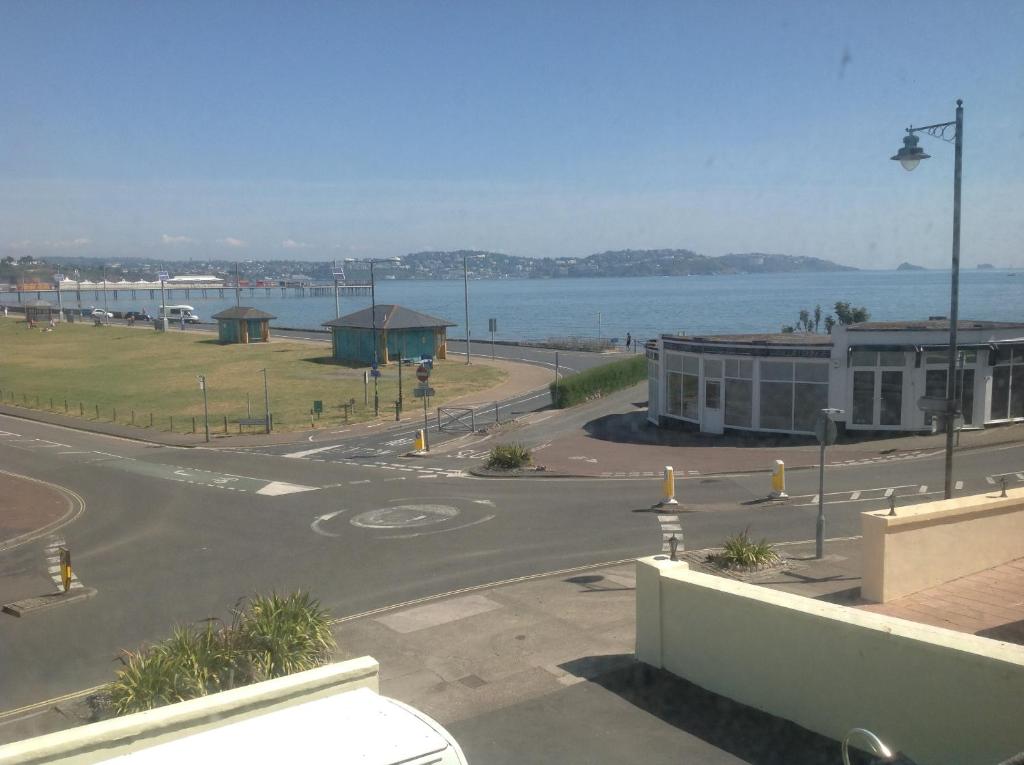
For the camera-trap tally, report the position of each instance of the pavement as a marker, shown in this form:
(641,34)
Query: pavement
(611,438)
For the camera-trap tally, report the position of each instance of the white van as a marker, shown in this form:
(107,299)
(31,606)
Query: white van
(177,312)
(354,727)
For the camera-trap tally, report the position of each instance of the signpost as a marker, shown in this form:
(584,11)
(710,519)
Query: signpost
(826,431)
(424,391)
(206,410)
(318,407)
(492,325)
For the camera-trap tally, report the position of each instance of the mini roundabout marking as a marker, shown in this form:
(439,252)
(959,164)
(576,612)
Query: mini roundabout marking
(409,516)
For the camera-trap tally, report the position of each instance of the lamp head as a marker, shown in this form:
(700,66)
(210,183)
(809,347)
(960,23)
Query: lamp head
(910,154)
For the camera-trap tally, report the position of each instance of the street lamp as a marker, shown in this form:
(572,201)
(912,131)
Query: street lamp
(373,323)
(465,290)
(910,155)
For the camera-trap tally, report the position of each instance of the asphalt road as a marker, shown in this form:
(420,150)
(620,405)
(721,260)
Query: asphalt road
(177,535)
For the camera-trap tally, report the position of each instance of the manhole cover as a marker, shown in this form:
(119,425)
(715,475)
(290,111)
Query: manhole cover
(404,516)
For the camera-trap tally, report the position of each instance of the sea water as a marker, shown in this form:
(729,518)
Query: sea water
(642,306)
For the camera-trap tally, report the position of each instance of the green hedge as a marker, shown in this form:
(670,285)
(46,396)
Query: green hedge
(599,381)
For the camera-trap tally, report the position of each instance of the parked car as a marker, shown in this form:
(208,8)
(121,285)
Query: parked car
(99,313)
(138,315)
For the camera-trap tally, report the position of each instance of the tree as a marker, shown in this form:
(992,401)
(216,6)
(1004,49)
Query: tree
(829,323)
(804,321)
(847,314)
(8,260)
(25,259)
(817,317)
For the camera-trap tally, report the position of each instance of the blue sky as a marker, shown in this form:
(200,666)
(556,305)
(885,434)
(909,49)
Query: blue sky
(322,130)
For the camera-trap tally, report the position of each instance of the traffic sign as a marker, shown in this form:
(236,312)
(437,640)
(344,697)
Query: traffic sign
(58,278)
(422,373)
(375,372)
(492,325)
(422,391)
(318,406)
(825,430)
(934,404)
(163,276)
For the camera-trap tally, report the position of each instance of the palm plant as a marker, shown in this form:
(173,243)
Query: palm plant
(284,634)
(741,550)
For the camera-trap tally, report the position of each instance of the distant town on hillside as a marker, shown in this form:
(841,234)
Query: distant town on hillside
(425,265)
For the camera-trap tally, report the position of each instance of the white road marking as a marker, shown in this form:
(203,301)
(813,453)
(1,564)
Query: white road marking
(298,455)
(991,479)
(315,525)
(671,527)
(855,496)
(958,485)
(923,489)
(814,499)
(277,488)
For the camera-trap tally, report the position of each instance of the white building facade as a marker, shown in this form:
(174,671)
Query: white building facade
(876,372)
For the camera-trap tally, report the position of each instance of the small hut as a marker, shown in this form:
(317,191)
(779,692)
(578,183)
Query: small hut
(39,311)
(243,324)
(401,333)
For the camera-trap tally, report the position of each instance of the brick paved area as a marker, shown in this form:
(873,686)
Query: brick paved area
(989,603)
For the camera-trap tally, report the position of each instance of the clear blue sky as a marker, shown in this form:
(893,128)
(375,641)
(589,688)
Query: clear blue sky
(322,130)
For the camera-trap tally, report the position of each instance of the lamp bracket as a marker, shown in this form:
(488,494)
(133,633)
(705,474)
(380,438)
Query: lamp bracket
(940,130)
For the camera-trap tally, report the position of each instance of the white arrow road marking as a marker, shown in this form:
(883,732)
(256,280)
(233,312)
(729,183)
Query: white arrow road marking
(315,525)
(307,452)
(483,502)
(277,488)
(441,531)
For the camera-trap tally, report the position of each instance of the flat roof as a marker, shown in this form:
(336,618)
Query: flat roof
(773,338)
(932,325)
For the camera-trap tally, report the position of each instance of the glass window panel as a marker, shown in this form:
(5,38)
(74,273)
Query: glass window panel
(673,362)
(713,394)
(690,393)
(935,383)
(863,398)
(936,357)
(776,370)
(673,394)
(731,368)
(1002,354)
(1017,389)
(738,398)
(691,365)
(967,395)
(863,358)
(777,405)
(811,372)
(891,410)
(892,358)
(809,399)
(1000,393)
(970,357)
(746,369)
(712,367)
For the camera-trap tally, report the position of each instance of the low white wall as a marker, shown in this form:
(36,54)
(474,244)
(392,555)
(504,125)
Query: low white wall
(926,545)
(937,695)
(111,738)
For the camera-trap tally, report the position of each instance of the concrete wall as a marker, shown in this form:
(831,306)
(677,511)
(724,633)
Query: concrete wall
(935,542)
(111,738)
(939,696)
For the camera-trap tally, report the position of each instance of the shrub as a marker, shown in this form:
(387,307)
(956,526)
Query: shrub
(274,636)
(509,457)
(281,635)
(740,550)
(599,381)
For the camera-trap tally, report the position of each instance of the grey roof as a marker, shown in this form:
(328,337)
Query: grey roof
(39,304)
(773,338)
(243,312)
(388,317)
(931,324)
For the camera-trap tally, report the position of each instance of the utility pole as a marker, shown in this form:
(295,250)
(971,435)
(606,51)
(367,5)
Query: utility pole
(337,300)
(373,320)
(238,288)
(465,290)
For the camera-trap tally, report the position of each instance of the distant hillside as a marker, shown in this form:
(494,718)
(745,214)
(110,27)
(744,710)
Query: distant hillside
(904,266)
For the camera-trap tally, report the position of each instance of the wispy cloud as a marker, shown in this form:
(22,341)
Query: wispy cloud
(291,244)
(230,241)
(172,239)
(48,244)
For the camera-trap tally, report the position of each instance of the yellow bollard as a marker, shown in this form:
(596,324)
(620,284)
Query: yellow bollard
(669,487)
(779,480)
(419,445)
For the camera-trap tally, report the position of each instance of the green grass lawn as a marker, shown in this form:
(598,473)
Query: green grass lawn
(153,372)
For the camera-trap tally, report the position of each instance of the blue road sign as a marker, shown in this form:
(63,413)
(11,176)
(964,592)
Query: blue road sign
(374,372)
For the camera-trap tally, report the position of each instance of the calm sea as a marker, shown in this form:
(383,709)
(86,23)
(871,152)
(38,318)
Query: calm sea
(645,306)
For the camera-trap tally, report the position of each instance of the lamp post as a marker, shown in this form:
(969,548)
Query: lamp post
(373,324)
(910,155)
(826,432)
(465,292)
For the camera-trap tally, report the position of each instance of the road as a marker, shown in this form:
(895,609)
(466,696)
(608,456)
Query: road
(175,535)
